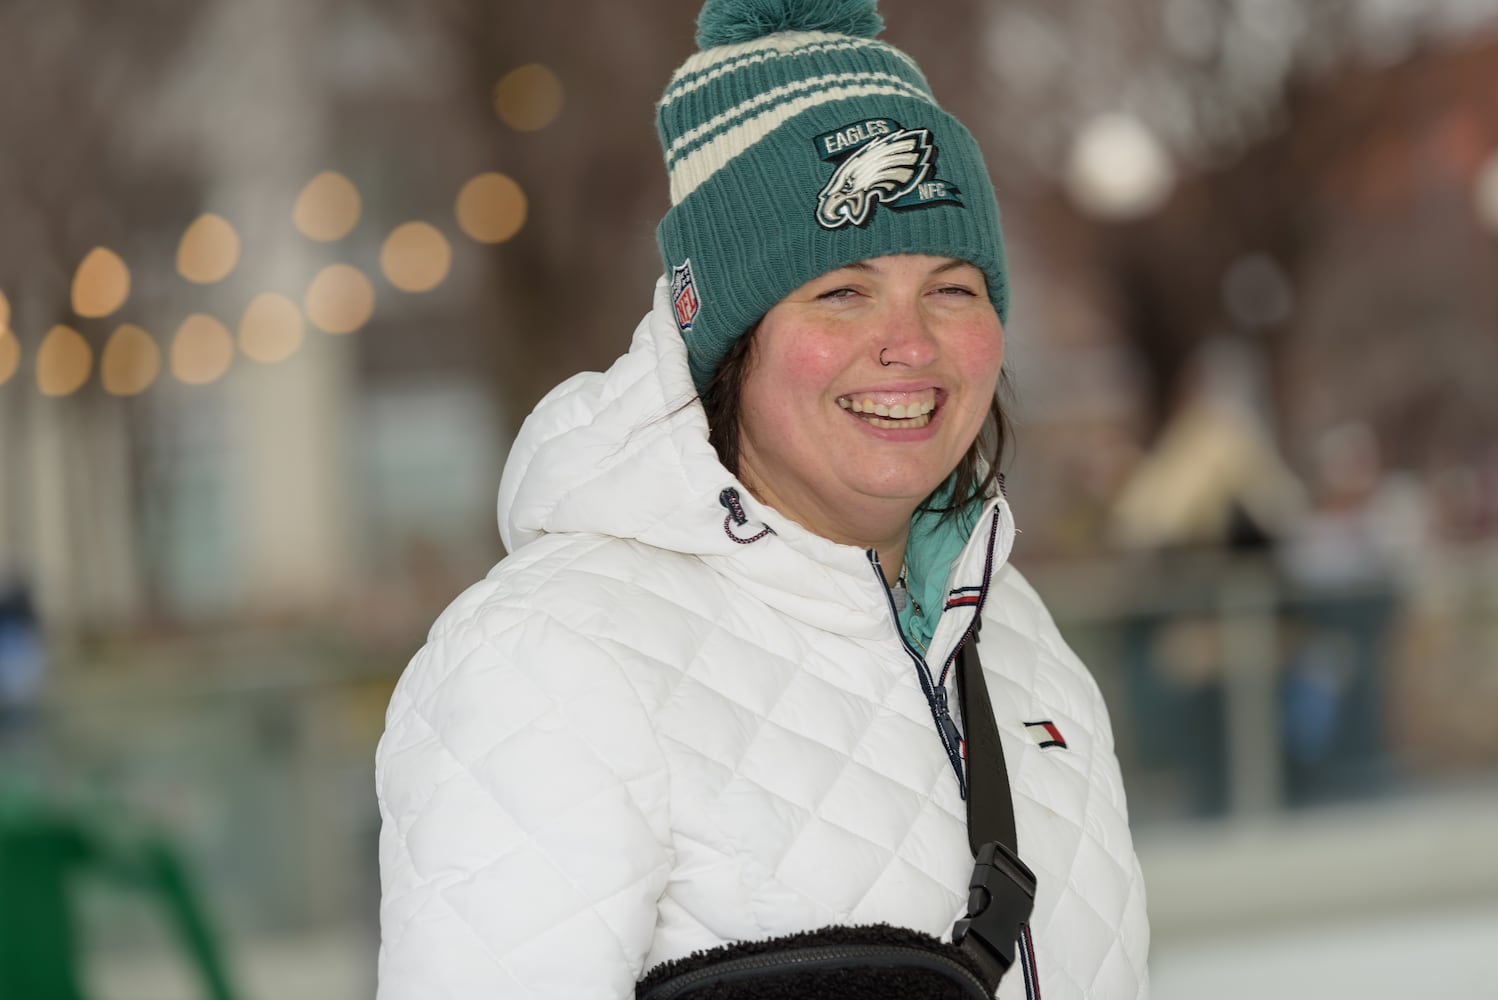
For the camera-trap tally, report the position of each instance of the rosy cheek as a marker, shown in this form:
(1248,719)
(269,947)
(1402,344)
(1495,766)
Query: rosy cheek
(983,349)
(810,361)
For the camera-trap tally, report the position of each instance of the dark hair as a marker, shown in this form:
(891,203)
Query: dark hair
(977,472)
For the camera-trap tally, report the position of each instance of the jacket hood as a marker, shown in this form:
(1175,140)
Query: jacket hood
(622,453)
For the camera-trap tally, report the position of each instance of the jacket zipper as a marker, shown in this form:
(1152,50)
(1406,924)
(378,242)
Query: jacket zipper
(1027,963)
(936,696)
(936,690)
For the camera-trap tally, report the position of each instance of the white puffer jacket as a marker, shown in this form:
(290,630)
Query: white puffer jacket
(653,729)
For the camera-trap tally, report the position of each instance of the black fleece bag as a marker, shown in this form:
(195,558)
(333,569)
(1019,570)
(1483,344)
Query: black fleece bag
(878,961)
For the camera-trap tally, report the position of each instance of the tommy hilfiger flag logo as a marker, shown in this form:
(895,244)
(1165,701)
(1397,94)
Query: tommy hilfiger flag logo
(1046,734)
(963,597)
(684,296)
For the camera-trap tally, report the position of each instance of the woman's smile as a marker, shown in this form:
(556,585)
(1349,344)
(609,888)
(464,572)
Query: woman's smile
(892,410)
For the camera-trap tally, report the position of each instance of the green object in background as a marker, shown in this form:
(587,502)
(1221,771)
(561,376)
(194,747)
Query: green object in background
(44,850)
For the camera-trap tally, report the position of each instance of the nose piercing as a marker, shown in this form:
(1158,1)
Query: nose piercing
(881,357)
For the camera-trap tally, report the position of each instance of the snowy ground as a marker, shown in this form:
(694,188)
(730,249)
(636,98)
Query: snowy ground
(1435,955)
(1397,899)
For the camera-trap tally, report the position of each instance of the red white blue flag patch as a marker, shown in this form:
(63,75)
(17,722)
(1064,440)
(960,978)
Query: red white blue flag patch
(1046,734)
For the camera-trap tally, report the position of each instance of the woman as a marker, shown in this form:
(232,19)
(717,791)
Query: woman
(706,698)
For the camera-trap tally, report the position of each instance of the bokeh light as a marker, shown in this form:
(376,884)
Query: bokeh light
(208,251)
(63,362)
(130,363)
(328,207)
(101,284)
(10,354)
(416,257)
(340,299)
(202,350)
(491,208)
(271,329)
(10,347)
(1485,193)
(1256,292)
(1118,171)
(528,98)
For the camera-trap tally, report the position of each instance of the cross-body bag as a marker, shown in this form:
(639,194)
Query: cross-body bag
(881,962)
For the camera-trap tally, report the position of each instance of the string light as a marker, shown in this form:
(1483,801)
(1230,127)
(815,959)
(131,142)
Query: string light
(416,257)
(340,299)
(271,329)
(101,284)
(10,355)
(528,98)
(10,346)
(130,363)
(208,251)
(491,208)
(202,350)
(63,362)
(328,207)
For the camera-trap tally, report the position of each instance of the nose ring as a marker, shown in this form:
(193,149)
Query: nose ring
(881,357)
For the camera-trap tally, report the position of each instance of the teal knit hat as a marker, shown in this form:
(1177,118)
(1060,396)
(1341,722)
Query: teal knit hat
(796,144)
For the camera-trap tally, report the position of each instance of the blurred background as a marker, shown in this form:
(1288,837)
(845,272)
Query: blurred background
(280,280)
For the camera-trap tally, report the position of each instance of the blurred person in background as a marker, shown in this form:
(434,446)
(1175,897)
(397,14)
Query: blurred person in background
(1342,560)
(23,667)
(708,696)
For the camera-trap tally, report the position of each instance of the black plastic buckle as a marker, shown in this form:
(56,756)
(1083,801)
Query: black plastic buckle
(1000,899)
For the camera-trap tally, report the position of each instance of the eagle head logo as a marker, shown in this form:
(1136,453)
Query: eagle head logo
(886,169)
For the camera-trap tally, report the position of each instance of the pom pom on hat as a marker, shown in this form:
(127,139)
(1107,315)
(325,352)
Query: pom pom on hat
(723,22)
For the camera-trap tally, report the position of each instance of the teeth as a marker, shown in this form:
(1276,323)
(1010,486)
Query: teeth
(899,411)
(906,423)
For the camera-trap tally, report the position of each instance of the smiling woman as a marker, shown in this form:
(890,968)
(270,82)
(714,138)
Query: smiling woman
(710,699)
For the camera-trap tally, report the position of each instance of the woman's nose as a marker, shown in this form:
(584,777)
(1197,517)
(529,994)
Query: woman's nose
(906,338)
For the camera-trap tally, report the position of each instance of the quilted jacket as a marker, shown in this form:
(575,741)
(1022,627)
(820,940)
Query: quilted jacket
(661,724)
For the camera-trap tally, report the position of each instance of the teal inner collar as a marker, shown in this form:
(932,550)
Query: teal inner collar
(935,542)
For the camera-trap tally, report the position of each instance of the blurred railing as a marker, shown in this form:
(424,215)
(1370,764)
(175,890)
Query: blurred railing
(1238,692)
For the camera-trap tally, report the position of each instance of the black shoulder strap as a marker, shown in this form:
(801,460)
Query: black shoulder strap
(990,805)
(1001,894)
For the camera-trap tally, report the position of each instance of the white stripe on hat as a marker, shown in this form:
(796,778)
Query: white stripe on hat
(718,121)
(694,169)
(786,45)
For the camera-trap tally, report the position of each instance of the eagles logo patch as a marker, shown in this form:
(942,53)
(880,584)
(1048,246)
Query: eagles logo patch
(878,161)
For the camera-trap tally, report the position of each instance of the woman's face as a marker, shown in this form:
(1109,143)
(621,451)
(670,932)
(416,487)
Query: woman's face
(829,435)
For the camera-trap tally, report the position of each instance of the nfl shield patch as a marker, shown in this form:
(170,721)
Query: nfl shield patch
(684,295)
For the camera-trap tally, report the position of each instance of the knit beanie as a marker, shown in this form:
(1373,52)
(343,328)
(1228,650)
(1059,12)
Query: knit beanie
(797,144)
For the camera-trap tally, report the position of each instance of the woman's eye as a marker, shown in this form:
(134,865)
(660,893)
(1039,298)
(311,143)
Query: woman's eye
(957,290)
(838,293)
